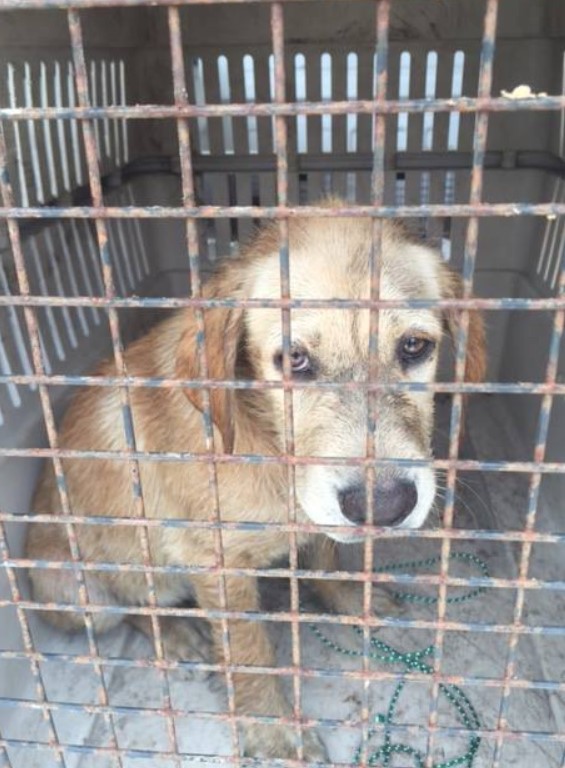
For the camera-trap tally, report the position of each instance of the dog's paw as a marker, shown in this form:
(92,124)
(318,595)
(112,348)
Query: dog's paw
(348,600)
(277,741)
(314,747)
(186,640)
(386,603)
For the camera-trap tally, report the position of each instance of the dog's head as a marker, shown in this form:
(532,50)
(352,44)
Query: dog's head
(331,259)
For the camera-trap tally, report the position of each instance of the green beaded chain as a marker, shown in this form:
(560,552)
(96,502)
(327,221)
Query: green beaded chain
(415,661)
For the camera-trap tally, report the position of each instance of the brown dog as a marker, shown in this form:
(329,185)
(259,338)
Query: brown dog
(328,259)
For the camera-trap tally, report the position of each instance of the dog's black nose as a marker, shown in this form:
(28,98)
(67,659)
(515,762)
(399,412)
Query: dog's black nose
(393,501)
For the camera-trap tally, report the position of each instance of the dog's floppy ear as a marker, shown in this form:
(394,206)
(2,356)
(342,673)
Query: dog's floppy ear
(476,360)
(222,331)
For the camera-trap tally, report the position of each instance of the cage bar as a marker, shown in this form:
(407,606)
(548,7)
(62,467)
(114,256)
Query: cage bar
(179,82)
(469,261)
(95,136)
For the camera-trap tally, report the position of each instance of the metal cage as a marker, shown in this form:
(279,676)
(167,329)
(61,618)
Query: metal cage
(141,142)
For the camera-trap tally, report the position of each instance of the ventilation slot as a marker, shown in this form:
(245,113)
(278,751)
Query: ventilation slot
(272,97)
(200,99)
(428,129)
(326,91)
(351,122)
(452,144)
(250,98)
(225,98)
(300,96)
(402,124)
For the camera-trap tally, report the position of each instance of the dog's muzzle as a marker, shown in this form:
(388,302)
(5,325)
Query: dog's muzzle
(393,501)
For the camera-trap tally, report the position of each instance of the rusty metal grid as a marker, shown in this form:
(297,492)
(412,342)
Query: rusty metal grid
(181,111)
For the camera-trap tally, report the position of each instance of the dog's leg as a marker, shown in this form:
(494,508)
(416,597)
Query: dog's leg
(255,694)
(342,597)
(48,542)
(62,587)
(183,639)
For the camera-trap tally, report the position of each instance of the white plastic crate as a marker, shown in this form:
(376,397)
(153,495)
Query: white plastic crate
(228,60)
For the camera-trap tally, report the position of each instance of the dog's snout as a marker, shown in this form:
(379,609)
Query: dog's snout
(353,503)
(393,501)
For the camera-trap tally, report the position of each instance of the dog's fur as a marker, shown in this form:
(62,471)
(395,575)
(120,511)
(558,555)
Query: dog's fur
(328,259)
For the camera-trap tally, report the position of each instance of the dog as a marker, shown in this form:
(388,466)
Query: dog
(329,259)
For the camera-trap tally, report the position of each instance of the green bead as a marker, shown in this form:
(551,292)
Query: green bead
(413,661)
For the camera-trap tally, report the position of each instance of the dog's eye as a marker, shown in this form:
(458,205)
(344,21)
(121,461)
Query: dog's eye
(299,361)
(415,349)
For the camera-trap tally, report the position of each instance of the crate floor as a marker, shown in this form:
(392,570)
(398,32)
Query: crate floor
(491,500)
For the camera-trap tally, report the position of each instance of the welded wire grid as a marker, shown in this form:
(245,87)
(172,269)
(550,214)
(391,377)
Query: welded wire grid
(469,260)
(280,109)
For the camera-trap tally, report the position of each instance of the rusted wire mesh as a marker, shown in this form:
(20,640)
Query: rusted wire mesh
(281,109)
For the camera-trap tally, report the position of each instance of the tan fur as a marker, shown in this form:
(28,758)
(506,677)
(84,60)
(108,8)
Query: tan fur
(328,259)
(476,362)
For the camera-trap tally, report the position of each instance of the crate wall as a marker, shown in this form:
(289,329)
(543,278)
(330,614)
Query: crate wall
(434,52)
